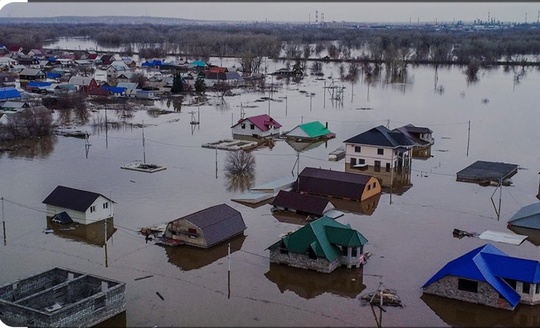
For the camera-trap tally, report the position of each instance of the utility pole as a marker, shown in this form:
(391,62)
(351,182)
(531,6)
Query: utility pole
(3,222)
(144,150)
(468,138)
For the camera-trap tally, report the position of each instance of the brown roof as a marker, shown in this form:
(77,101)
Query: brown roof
(331,183)
(308,204)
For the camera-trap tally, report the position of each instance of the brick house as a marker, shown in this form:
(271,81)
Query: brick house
(322,245)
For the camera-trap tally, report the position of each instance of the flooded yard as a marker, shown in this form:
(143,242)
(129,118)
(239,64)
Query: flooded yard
(409,232)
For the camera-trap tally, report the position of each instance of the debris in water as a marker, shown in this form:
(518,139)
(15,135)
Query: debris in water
(389,297)
(158,294)
(145,277)
(462,233)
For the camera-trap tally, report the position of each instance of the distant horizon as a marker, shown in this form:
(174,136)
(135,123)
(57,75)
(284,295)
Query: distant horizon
(287,12)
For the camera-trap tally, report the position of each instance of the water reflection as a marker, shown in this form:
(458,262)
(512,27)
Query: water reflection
(365,207)
(239,170)
(304,146)
(465,314)
(533,235)
(191,258)
(92,234)
(393,182)
(118,320)
(310,284)
(31,148)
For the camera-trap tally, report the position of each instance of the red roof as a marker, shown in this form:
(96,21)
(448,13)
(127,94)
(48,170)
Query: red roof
(263,122)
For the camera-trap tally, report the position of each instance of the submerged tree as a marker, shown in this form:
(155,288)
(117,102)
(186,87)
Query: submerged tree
(239,170)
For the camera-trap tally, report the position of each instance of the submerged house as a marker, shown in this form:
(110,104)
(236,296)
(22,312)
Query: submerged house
(488,276)
(207,227)
(485,172)
(378,147)
(322,245)
(301,203)
(309,131)
(61,298)
(527,217)
(256,126)
(328,183)
(422,138)
(81,206)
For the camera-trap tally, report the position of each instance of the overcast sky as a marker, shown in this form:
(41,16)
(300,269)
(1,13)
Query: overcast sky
(286,11)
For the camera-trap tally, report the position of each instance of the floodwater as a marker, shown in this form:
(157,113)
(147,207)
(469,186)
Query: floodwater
(409,233)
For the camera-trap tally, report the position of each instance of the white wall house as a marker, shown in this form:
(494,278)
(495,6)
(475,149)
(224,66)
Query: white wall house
(379,148)
(256,126)
(82,206)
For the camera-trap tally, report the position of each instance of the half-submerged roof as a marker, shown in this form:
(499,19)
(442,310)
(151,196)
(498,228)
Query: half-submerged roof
(301,202)
(381,136)
(527,217)
(313,129)
(218,222)
(71,198)
(484,170)
(264,122)
(489,264)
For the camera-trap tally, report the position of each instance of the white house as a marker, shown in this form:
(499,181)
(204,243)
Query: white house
(256,126)
(82,206)
(378,147)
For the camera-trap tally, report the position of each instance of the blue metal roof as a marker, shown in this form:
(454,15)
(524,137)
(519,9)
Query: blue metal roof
(489,264)
(38,84)
(118,90)
(9,93)
(52,75)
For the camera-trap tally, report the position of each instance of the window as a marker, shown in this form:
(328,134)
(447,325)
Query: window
(374,184)
(192,233)
(380,151)
(243,126)
(526,288)
(105,205)
(369,187)
(511,282)
(357,149)
(92,209)
(468,285)
(537,289)
(387,167)
(252,127)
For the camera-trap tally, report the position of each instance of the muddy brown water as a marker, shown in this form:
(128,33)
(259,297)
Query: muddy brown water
(409,233)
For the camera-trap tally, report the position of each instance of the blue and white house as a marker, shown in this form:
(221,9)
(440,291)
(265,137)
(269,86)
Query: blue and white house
(488,276)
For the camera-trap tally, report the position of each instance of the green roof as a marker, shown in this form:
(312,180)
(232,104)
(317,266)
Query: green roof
(322,236)
(315,129)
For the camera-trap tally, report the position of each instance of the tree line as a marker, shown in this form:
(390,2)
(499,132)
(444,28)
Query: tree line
(416,45)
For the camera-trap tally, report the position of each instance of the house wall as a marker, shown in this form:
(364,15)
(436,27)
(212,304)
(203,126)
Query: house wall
(369,155)
(372,188)
(532,297)
(487,295)
(303,261)
(247,131)
(86,217)
(179,230)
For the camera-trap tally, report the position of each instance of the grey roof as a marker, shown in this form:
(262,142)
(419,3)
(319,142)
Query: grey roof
(31,72)
(218,223)
(331,183)
(70,198)
(527,217)
(483,170)
(300,202)
(381,136)
(413,132)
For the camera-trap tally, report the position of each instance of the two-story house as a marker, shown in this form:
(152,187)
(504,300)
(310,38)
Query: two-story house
(378,147)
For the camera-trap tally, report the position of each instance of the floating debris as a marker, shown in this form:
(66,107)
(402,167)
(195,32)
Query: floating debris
(389,297)
(143,167)
(145,277)
(457,233)
(158,294)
